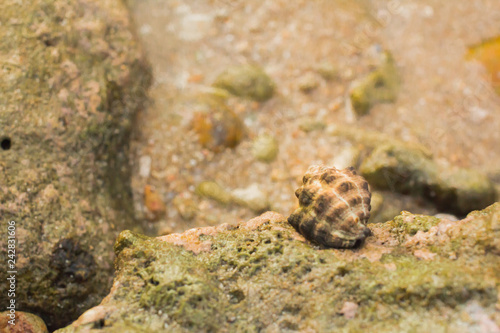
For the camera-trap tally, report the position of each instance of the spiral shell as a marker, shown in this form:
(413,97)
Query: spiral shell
(334,207)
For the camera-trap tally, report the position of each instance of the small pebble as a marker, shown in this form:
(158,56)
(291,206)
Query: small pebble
(247,81)
(308,82)
(144,166)
(308,124)
(327,71)
(251,197)
(212,190)
(265,148)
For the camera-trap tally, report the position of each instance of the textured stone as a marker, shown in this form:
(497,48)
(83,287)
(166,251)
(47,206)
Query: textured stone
(72,78)
(409,170)
(262,272)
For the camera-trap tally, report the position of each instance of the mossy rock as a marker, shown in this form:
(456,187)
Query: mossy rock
(395,167)
(408,169)
(464,189)
(327,70)
(252,197)
(263,274)
(69,93)
(247,81)
(409,224)
(308,124)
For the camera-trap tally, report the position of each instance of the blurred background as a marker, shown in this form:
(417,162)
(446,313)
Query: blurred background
(248,94)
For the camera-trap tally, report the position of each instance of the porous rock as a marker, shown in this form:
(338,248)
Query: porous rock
(72,78)
(252,197)
(262,273)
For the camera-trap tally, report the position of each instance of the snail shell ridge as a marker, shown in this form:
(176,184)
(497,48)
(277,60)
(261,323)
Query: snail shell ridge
(334,207)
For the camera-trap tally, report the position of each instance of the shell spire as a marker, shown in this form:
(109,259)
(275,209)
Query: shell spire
(334,207)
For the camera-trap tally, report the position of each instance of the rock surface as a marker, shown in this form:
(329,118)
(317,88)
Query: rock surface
(263,276)
(408,170)
(72,78)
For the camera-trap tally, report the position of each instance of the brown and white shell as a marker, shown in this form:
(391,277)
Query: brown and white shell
(334,207)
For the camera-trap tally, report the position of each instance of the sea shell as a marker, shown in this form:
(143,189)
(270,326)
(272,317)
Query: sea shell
(334,207)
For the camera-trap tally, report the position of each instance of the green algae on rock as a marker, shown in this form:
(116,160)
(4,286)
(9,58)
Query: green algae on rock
(73,76)
(247,81)
(380,86)
(408,224)
(262,274)
(408,167)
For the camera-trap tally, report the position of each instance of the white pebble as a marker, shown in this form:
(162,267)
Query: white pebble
(145,166)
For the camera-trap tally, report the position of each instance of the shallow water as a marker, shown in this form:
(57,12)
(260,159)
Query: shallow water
(444,101)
